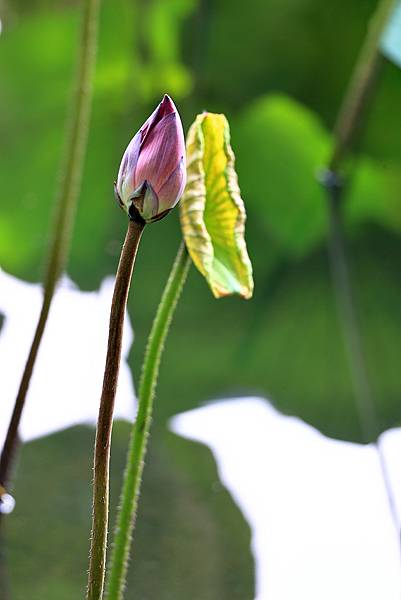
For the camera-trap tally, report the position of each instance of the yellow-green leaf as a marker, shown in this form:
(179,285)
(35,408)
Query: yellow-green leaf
(212,211)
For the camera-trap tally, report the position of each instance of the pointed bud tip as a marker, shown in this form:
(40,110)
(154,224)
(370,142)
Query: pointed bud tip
(167,106)
(166,99)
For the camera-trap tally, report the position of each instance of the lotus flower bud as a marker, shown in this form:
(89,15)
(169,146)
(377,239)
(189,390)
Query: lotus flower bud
(152,173)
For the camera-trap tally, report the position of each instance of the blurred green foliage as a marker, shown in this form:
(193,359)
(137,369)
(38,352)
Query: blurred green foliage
(278,69)
(190,541)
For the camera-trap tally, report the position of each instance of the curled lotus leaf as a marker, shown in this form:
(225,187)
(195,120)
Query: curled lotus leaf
(212,211)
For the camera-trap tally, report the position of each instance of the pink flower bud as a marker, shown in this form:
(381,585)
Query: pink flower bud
(152,173)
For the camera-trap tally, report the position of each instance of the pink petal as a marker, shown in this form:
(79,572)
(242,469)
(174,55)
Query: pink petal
(128,164)
(171,191)
(165,108)
(161,153)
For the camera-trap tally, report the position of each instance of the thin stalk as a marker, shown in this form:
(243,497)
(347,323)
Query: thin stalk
(361,86)
(67,194)
(346,131)
(353,345)
(100,514)
(347,313)
(137,448)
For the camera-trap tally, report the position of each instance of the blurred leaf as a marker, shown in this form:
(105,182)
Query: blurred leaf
(287,46)
(296,347)
(287,344)
(212,210)
(391,40)
(33,111)
(374,195)
(281,147)
(162,66)
(191,540)
(286,209)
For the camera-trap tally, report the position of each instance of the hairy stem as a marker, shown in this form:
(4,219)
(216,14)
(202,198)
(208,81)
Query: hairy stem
(346,131)
(67,194)
(137,448)
(100,507)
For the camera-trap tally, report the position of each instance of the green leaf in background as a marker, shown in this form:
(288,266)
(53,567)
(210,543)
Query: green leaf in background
(159,48)
(281,147)
(286,222)
(286,344)
(32,131)
(391,40)
(293,47)
(192,541)
(296,347)
(212,211)
(374,195)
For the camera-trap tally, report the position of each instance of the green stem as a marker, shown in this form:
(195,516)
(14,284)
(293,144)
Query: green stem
(137,448)
(101,467)
(361,85)
(67,194)
(347,127)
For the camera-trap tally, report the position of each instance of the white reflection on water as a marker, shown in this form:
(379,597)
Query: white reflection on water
(321,527)
(67,380)
(320,523)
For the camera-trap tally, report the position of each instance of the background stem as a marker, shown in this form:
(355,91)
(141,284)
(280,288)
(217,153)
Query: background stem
(105,419)
(137,447)
(67,194)
(354,348)
(346,132)
(346,310)
(361,86)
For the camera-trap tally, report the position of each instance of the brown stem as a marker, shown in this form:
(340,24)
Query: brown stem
(97,559)
(12,440)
